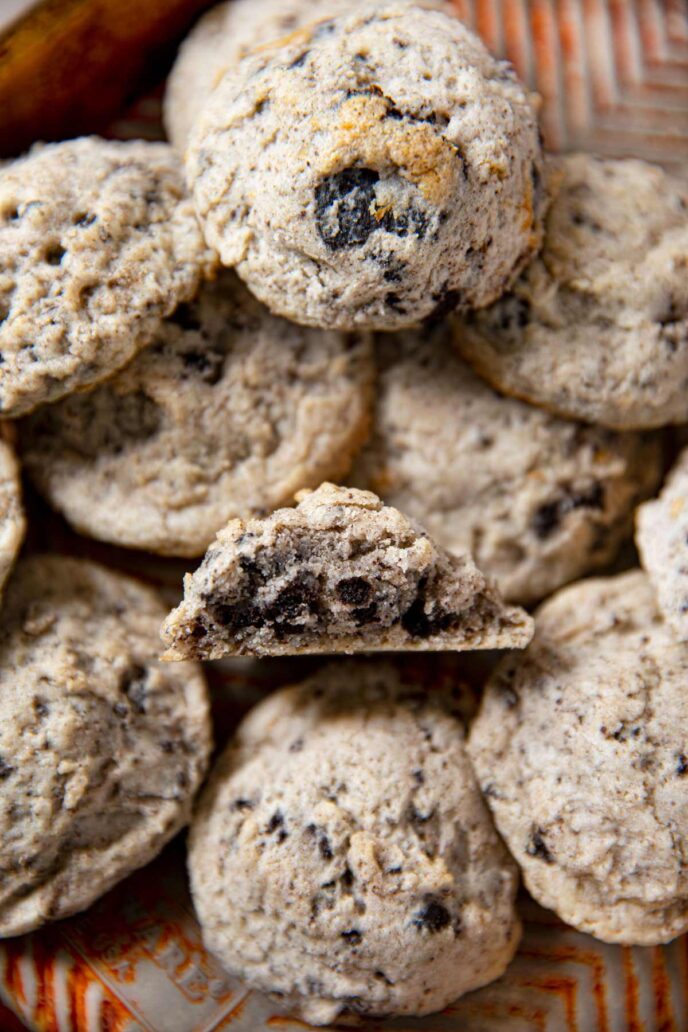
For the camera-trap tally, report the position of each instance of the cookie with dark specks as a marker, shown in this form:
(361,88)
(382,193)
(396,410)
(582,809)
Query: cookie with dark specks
(342,856)
(12,519)
(537,500)
(102,747)
(98,243)
(581,751)
(662,540)
(341,572)
(371,170)
(228,413)
(596,328)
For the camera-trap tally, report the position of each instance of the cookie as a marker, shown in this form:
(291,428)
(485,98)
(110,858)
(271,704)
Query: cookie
(662,540)
(342,857)
(596,328)
(537,500)
(228,413)
(98,243)
(580,748)
(102,748)
(338,573)
(371,170)
(12,520)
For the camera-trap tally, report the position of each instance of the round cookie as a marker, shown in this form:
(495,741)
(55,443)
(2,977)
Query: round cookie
(596,328)
(662,540)
(341,856)
(227,414)
(537,500)
(371,171)
(12,520)
(580,748)
(102,747)
(98,243)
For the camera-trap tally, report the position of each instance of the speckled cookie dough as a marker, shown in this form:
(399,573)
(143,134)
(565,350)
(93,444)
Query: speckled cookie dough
(98,243)
(228,413)
(226,34)
(537,500)
(338,573)
(102,747)
(662,539)
(581,751)
(12,519)
(342,857)
(372,171)
(597,326)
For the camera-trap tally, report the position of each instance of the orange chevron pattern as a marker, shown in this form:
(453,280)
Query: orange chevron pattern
(613,77)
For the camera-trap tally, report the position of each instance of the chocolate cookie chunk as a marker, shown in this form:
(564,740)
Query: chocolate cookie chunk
(339,573)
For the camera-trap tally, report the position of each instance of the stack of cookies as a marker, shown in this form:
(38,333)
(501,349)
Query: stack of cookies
(394,376)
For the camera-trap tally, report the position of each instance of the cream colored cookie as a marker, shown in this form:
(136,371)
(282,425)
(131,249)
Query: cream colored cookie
(537,500)
(342,857)
(581,748)
(662,539)
(371,170)
(12,519)
(102,748)
(338,573)
(596,328)
(228,413)
(98,243)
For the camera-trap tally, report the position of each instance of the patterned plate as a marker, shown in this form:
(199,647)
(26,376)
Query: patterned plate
(613,76)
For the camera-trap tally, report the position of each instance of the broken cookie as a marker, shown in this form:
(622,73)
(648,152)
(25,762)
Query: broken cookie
(341,572)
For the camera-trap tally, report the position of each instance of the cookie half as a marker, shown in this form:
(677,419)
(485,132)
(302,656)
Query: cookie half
(338,573)
(342,856)
(596,328)
(102,748)
(228,413)
(98,243)
(580,748)
(371,170)
(537,500)
(662,539)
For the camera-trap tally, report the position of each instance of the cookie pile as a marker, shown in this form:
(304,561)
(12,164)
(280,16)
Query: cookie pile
(392,374)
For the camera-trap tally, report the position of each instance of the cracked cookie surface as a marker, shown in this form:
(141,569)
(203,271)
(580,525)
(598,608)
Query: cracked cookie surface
(225,35)
(537,500)
(229,412)
(102,747)
(596,328)
(342,856)
(662,540)
(338,573)
(98,243)
(580,749)
(371,171)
